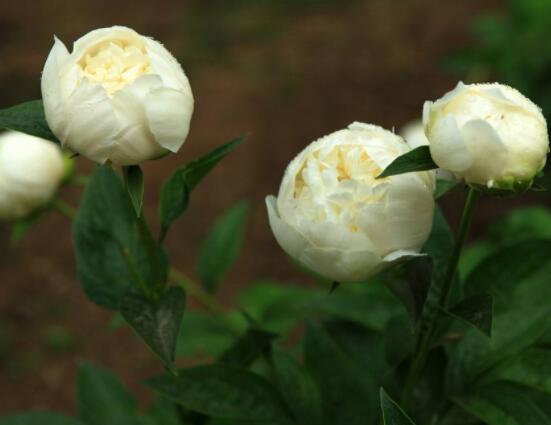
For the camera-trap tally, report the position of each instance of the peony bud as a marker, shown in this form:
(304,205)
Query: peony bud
(488,134)
(335,217)
(118,97)
(414,135)
(31,170)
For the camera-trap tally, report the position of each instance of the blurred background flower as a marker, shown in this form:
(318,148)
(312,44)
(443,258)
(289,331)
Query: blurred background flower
(285,71)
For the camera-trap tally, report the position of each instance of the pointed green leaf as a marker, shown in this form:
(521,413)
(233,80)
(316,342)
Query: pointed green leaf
(298,388)
(222,245)
(27,118)
(392,413)
(531,368)
(410,283)
(476,311)
(176,190)
(249,347)
(508,404)
(104,229)
(164,412)
(443,187)
(134,182)
(347,392)
(39,418)
(222,391)
(157,323)
(417,159)
(102,398)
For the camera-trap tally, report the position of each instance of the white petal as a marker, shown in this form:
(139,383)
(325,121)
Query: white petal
(169,113)
(92,122)
(51,88)
(134,143)
(165,65)
(409,211)
(292,242)
(447,147)
(482,140)
(341,266)
(402,255)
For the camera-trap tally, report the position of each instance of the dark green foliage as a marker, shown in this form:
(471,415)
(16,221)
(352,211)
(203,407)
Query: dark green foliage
(223,391)
(222,245)
(101,397)
(110,258)
(392,413)
(417,159)
(27,118)
(176,190)
(157,322)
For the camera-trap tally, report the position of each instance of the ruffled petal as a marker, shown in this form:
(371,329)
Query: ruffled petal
(92,122)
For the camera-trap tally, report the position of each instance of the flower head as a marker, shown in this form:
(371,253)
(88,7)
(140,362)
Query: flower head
(334,216)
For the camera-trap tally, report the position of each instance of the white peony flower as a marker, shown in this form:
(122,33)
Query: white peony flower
(488,134)
(118,97)
(31,169)
(334,216)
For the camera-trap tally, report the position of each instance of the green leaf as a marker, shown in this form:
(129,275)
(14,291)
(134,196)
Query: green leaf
(176,190)
(410,283)
(392,413)
(476,311)
(157,323)
(417,159)
(104,229)
(222,391)
(249,347)
(38,418)
(204,336)
(506,404)
(163,412)
(531,368)
(222,245)
(443,187)
(134,182)
(517,278)
(298,388)
(349,396)
(27,118)
(439,247)
(102,398)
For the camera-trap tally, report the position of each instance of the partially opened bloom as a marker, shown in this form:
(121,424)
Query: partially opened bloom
(489,134)
(335,217)
(31,169)
(118,97)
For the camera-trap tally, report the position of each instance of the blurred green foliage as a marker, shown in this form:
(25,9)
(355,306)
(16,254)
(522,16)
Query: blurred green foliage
(512,48)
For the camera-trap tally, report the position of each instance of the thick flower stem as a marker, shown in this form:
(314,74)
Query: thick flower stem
(204,297)
(425,340)
(64,208)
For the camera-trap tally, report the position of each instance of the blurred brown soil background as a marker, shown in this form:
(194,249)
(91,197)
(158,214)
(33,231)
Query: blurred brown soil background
(286,74)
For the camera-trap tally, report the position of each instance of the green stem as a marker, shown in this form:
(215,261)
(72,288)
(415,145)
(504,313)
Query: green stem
(131,263)
(204,297)
(424,342)
(196,291)
(64,208)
